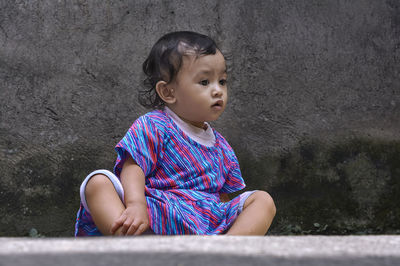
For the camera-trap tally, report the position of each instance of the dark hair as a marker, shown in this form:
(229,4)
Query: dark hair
(165,60)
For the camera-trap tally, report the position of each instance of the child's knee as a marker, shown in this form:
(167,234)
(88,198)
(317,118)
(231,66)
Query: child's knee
(96,184)
(266,200)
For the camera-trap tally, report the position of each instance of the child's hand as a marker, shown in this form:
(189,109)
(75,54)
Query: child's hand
(133,221)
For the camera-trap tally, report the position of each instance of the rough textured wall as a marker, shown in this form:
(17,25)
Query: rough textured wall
(313,114)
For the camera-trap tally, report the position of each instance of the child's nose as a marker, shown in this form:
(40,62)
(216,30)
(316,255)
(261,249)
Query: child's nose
(217,91)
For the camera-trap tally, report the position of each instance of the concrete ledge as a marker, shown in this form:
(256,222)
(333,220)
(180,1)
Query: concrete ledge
(203,250)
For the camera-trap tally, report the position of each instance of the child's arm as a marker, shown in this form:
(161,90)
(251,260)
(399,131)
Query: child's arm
(135,218)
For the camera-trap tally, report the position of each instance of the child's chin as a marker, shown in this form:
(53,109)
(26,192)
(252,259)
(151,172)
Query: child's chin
(214,118)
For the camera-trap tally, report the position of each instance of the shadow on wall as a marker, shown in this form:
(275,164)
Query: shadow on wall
(350,187)
(42,196)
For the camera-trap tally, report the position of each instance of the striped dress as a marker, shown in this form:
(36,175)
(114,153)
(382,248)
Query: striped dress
(183,177)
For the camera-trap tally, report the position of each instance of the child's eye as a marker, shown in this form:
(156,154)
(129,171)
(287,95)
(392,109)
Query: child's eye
(204,82)
(222,82)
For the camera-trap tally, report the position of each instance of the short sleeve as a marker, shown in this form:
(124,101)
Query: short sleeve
(143,143)
(234,180)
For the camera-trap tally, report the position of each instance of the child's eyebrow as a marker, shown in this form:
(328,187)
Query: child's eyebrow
(207,72)
(204,72)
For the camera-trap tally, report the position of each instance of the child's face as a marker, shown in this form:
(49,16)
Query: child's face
(200,89)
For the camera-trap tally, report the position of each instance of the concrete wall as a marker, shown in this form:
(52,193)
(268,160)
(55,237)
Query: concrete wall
(313,115)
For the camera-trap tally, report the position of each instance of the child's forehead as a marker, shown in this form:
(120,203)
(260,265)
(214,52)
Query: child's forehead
(208,62)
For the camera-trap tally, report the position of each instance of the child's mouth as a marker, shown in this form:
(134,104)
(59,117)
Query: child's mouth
(218,104)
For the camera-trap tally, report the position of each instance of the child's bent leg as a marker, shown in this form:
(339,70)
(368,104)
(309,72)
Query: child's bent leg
(256,217)
(104,202)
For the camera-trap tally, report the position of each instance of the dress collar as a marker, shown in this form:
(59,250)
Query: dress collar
(205,137)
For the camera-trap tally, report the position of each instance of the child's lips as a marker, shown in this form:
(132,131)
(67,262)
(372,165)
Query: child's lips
(218,104)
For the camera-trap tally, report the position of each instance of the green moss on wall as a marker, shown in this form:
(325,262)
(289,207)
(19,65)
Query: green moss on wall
(351,186)
(347,187)
(43,193)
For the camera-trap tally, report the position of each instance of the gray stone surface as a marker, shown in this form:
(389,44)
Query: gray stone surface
(195,250)
(313,114)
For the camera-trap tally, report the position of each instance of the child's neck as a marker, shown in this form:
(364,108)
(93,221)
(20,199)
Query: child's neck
(201,125)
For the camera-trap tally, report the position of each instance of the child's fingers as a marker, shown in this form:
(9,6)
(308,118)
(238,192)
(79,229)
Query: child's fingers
(117,224)
(132,229)
(126,225)
(143,227)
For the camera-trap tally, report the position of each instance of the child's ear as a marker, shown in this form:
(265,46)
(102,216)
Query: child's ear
(165,92)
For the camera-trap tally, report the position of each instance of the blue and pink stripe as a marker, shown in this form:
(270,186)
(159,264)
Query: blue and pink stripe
(183,177)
